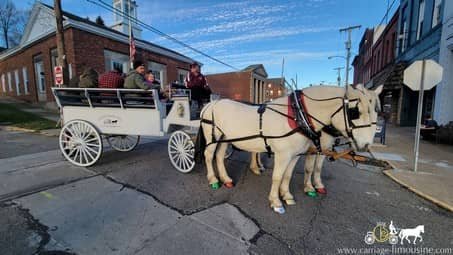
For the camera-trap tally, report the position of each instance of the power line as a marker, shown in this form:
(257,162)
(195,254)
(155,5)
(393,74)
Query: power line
(387,12)
(136,21)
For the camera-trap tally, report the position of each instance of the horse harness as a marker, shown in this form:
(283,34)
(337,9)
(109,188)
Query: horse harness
(303,120)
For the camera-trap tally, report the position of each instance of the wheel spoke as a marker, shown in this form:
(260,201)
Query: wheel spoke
(84,155)
(89,154)
(91,149)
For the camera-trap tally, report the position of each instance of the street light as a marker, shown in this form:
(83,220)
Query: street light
(338,69)
(330,57)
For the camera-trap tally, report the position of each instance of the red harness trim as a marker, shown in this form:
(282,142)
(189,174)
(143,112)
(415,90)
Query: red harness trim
(291,121)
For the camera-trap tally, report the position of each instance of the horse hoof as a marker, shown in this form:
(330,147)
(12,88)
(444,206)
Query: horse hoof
(279,209)
(228,185)
(256,171)
(290,202)
(215,185)
(311,193)
(322,191)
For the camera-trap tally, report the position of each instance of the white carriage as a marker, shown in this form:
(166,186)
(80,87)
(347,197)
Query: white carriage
(90,116)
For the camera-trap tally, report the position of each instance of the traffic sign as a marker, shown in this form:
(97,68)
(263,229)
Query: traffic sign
(420,76)
(58,71)
(432,74)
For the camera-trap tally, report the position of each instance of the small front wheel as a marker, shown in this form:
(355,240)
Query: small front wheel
(123,143)
(181,151)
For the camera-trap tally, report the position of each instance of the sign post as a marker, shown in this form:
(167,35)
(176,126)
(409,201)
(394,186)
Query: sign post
(58,71)
(430,75)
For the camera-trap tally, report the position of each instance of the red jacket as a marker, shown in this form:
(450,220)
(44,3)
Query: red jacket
(193,81)
(112,79)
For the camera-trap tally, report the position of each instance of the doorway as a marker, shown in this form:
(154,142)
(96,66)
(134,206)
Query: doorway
(40,80)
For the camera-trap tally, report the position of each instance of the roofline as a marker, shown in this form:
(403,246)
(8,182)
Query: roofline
(105,32)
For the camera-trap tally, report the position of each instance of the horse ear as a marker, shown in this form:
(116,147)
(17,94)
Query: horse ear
(379,89)
(359,86)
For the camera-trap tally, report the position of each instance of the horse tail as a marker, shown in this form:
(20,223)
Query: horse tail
(200,142)
(200,146)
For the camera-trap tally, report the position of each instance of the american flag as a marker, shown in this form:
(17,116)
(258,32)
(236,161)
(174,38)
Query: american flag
(132,48)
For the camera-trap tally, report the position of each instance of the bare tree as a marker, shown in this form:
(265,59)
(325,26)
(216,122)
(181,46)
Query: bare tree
(12,23)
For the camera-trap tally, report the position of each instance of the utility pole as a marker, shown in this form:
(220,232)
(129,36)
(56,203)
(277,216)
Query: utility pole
(339,75)
(61,50)
(348,51)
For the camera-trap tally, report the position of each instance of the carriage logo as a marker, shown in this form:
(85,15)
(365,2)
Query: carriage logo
(180,110)
(110,121)
(391,234)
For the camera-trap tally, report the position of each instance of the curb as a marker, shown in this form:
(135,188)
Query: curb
(416,191)
(420,193)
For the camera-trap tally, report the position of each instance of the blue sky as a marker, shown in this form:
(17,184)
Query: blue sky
(304,32)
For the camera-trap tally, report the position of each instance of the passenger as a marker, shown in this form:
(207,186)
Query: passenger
(135,79)
(150,79)
(88,78)
(112,79)
(196,82)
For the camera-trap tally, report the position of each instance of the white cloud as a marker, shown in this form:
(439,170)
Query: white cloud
(269,33)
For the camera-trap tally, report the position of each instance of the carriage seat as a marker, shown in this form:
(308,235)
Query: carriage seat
(106,98)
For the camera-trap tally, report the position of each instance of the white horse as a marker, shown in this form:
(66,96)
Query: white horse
(415,232)
(226,119)
(313,163)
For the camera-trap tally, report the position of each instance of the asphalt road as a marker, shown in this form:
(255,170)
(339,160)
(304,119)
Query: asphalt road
(357,199)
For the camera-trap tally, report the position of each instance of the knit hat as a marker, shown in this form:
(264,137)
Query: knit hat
(138,63)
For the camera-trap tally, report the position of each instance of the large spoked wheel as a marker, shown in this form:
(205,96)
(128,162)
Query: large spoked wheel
(181,151)
(123,143)
(80,143)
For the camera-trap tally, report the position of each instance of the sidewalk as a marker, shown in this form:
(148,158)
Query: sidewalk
(35,109)
(434,178)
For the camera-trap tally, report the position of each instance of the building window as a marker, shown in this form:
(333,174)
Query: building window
(25,79)
(16,79)
(436,12)
(159,71)
(182,75)
(117,66)
(421,18)
(10,87)
(3,83)
(403,33)
(116,60)
(117,14)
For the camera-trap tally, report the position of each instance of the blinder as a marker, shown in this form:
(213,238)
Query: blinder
(354,113)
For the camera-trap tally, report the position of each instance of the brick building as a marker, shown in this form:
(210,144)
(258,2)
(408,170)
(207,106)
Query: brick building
(385,71)
(248,84)
(275,88)
(26,70)
(362,62)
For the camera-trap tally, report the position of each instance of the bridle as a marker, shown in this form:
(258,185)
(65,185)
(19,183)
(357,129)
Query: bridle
(349,115)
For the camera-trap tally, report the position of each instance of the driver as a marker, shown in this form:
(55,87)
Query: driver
(196,82)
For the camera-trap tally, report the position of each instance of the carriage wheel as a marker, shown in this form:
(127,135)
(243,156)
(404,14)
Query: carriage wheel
(181,151)
(80,143)
(123,143)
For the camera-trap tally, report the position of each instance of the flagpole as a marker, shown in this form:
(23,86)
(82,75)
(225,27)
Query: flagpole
(130,33)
